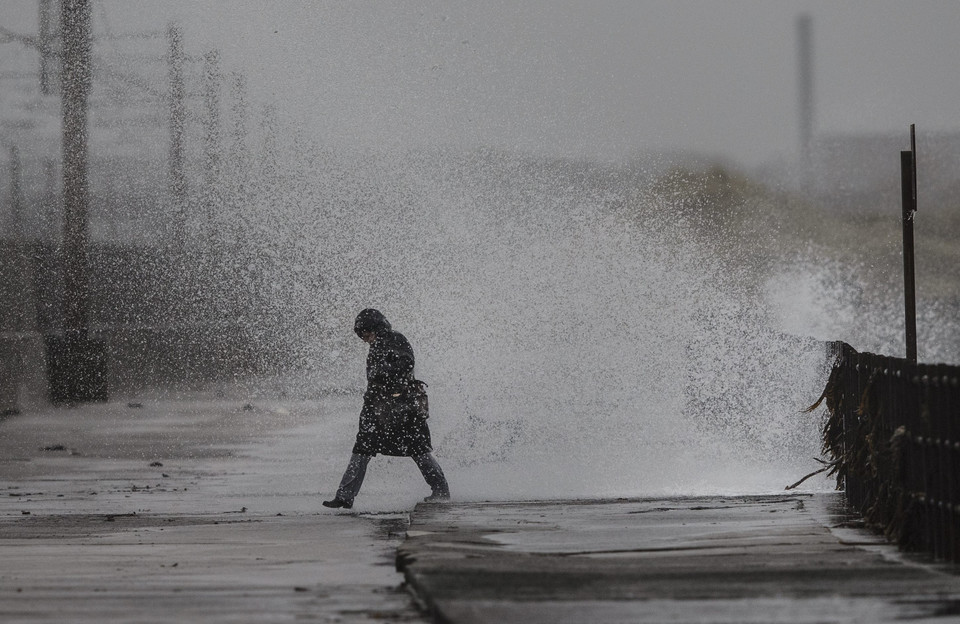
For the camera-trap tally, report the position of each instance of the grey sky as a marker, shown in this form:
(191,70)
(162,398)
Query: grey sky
(601,79)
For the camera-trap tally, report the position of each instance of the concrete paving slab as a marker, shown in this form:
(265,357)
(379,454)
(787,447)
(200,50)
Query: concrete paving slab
(707,560)
(189,511)
(208,511)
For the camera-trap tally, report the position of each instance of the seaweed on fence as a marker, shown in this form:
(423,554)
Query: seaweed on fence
(832,432)
(873,439)
(832,429)
(860,452)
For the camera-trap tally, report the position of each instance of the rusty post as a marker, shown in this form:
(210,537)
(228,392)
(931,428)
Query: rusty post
(908,185)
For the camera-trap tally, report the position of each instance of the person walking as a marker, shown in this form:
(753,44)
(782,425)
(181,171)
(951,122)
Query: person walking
(391,421)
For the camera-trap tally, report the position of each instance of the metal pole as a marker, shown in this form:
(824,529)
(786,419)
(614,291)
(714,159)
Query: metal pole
(908,184)
(76,364)
(178,182)
(211,165)
(26,311)
(16,195)
(805,92)
(17,235)
(239,107)
(75,88)
(51,211)
(239,156)
(45,41)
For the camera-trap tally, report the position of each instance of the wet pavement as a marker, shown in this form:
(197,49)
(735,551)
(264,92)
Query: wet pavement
(793,558)
(206,510)
(186,511)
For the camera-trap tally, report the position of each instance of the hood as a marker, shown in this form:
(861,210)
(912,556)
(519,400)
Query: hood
(371,320)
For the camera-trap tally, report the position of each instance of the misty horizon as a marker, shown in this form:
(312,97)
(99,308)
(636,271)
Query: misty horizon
(604,82)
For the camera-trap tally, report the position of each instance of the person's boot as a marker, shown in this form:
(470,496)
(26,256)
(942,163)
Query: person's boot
(437,497)
(337,503)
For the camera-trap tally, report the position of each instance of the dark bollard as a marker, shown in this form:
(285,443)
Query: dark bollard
(10,373)
(76,369)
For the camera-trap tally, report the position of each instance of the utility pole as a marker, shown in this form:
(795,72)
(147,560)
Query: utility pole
(16,195)
(17,237)
(269,161)
(16,211)
(229,240)
(239,156)
(212,170)
(75,20)
(178,115)
(805,93)
(26,312)
(76,363)
(45,43)
(51,209)
(239,163)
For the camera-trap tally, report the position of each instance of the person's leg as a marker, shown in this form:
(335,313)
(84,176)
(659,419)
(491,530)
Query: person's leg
(433,475)
(352,479)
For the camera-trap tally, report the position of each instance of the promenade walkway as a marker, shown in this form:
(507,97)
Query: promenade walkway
(193,510)
(709,560)
(207,510)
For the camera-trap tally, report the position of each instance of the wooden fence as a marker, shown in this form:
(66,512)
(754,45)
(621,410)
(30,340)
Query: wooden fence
(893,437)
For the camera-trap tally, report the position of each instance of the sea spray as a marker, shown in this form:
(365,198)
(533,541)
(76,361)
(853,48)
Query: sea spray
(579,338)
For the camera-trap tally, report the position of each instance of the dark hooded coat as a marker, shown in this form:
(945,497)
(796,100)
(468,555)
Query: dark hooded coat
(389,421)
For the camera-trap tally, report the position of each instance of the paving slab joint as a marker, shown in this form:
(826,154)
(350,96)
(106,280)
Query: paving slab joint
(421,598)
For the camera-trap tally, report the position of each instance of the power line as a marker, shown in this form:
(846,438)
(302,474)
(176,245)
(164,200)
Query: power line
(9,36)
